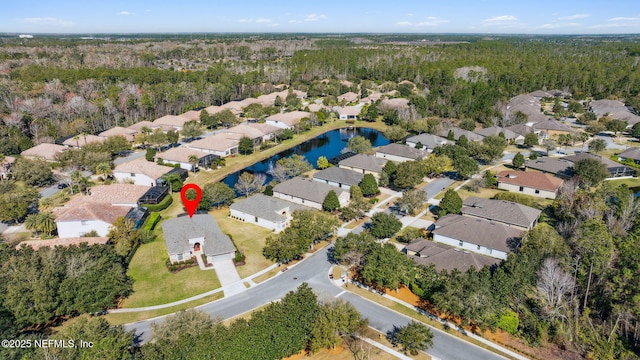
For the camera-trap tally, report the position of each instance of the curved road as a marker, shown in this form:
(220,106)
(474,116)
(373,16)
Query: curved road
(314,270)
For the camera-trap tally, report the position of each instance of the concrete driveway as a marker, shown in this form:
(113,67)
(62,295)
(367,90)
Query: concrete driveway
(229,278)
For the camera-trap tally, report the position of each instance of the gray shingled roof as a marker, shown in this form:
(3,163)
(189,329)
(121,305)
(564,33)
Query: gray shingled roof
(558,167)
(489,234)
(457,132)
(613,167)
(306,189)
(429,141)
(507,212)
(445,257)
(404,151)
(631,153)
(339,175)
(496,130)
(362,161)
(266,207)
(178,231)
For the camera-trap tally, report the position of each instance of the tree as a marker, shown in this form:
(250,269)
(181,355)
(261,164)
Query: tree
(43,222)
(617,126)
(172,136)
(150,154)
(191,129)
(193,160)
(331,202)
(467,124)
(15,200)
(32,172)
(224,118)
(175,182)
(249,183)
(187,322)
(158,138)
(384,225)
(369,186)
(518,161)
(358,205)
(597,145)
(451,203)
(553,284)
(531,140)
(533,155)
(408,174)
(413,337)
(335,321)
(591,171)
(359,144)
(291,166)
(103,169)
(549,145)
(204,117)
(220,194)
(635,130)
(323,163)
(123,236)
(465,166)
(411,200)
(371,113)
(395,133)
(419,145)
(435,165)
(494,146)
(245,147)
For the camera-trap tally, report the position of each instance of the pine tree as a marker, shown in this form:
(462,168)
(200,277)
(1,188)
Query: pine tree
(369,185)
(331,202)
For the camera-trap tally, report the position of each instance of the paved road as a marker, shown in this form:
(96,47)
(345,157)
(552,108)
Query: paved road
(49,191)
(314,271)
(132,156)
(610,142)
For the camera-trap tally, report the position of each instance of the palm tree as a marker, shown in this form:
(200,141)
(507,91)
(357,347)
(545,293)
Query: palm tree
(76,177)
(103,169)
(193,160)
(31,223)
(46,222)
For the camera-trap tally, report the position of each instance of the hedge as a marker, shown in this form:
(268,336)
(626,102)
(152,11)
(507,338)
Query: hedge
(151,222)
(168,200)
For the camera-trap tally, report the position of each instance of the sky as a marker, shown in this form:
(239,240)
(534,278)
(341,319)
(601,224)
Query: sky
(371,16)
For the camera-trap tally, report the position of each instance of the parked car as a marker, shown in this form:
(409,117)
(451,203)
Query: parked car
(62,185)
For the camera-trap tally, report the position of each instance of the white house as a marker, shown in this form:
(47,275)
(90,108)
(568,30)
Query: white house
(339,177)
(348,112)
(181,156)
(218,144)
(84,215)
(43,151)
(265,211)
(287,120)
(308,192)
(118,194)
(529,183)
(506,212)
(477,235)
(428,141)
(400,153)
(187,237)
(79,141)
(171,121)
(365,164)
(127,133)
(141,172)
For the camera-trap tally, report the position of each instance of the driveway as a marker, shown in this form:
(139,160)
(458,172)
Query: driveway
(132,156)
(229,278)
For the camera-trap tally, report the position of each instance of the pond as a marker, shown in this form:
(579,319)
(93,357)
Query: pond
(329,144)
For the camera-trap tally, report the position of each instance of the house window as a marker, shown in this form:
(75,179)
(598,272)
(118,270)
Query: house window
(537,191)
(460,243)
(84,222)
(478,247)
(133,175)
(256,220)
(521,188)
(179,257)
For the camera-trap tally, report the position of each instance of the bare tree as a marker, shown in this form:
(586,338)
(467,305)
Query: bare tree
(619,224)
(249,183)
(554,284)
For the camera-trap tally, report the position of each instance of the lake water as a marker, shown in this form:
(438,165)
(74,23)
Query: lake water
(329,144)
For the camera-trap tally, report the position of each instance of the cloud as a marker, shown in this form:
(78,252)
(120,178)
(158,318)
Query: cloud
(574,17)
(500,19)
(432,21)
(625,19)
(49,21)
(559,25)
(314,17)
(244,20)
(404,23)
(125,13)
(263,21)
(295,21)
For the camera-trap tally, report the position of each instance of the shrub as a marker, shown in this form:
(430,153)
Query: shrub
(165,203)
(509,322)
(152,221)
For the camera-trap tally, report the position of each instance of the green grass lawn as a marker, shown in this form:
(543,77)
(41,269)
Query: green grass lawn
(154,284)
(249,239)
(632,182)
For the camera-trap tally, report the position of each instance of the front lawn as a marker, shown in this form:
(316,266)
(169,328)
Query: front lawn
(154,284)
(248,238)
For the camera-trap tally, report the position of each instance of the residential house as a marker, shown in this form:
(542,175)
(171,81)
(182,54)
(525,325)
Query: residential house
(614,109)
(400,153)
(457,132)
(142,124)
(171,122)
(335,176)
(529,183)
(218,144)
(63,242)
(528,105)
(182,157)
(348,112)
(141,172)
(428,141)
(265,211)
(551,127)
(444,257)
(314,107)
(372,98)
(308,192)
(257,132)
(118,194)
(394,104)
(82,140)
(83,215)
(348,97)
(522,130)
(557,167)
(287,120)
(43,151)
(497,130)
(477,235)
(614,168)
(127,133)
(191,115)
(363,163)
(506,212)
(270,99)
(187,237)
(632,153)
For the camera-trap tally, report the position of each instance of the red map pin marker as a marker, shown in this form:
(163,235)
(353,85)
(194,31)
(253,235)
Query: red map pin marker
(191,205)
